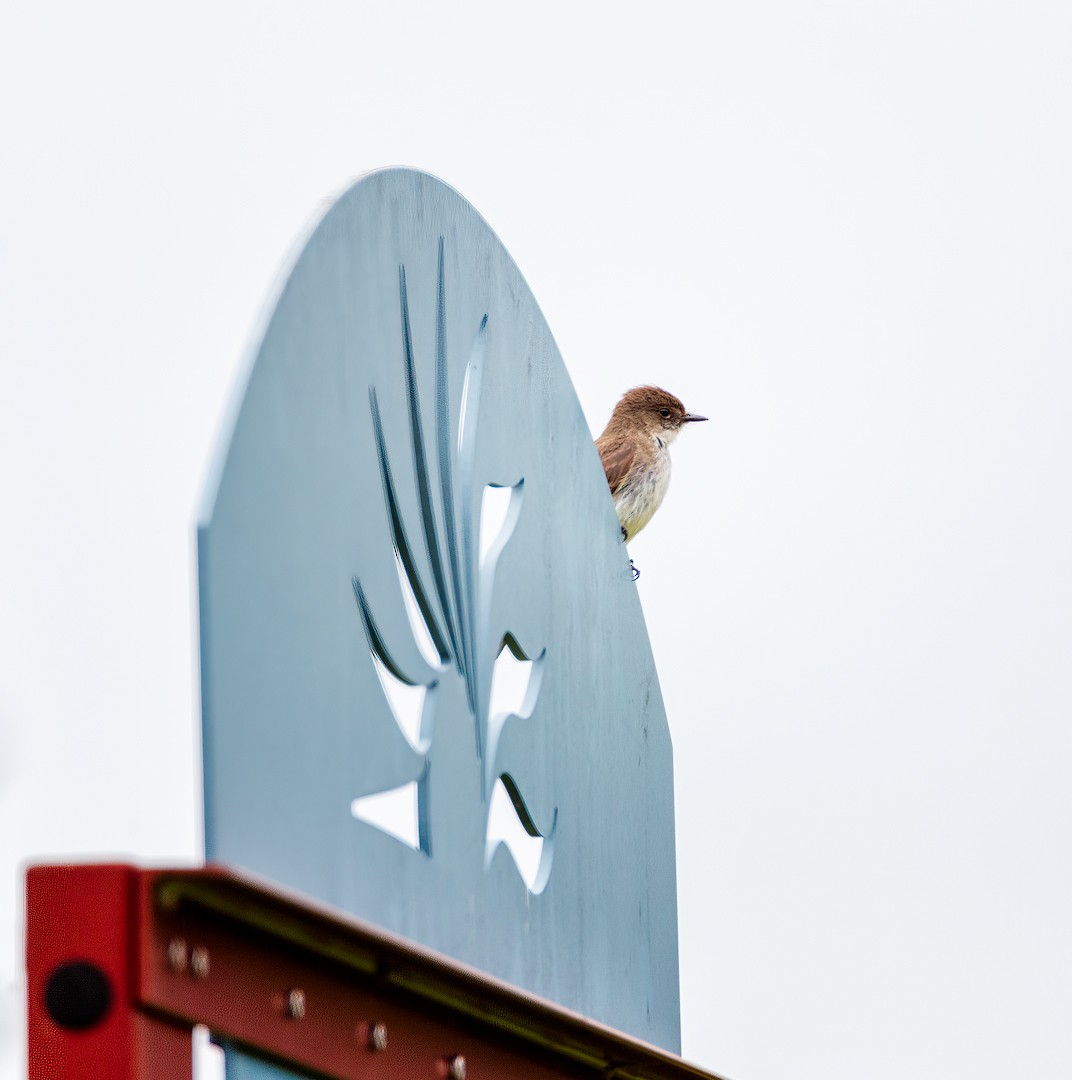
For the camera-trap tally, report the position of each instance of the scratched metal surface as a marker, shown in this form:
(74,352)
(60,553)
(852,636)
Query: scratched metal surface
(404,367)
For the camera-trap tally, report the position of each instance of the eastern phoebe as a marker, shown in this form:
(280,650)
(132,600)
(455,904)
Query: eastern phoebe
(635,451)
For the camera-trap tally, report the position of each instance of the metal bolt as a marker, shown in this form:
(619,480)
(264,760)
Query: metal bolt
(456,1067)
(199,964)
(178,955)
(377,1038)
(78,996)
(294,1004)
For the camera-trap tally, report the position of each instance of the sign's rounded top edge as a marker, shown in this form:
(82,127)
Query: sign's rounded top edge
(236,395)
(327,205)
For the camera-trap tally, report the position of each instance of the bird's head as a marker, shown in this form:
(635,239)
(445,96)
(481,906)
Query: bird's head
(653,410)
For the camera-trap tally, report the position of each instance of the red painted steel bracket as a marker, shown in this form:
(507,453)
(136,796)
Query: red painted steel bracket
(122,963)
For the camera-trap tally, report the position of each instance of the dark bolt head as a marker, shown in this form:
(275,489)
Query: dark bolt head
(78,995)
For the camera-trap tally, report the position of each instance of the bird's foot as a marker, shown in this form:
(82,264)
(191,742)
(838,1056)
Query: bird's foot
(636,572)
(625,535)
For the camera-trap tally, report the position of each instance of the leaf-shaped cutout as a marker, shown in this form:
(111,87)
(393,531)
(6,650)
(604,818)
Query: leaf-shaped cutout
(401,812)
(500,507)
(422,634)
(399,533)
(514,829)
(511,681)
(410,704)
(494,515)
(395,812)
(422,470)
(407,699)
(515,688)
(468,555)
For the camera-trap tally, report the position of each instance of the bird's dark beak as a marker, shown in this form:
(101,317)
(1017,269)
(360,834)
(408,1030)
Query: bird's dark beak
(691,417)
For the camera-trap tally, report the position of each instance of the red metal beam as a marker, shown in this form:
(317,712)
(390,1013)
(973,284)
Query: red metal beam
(122,963)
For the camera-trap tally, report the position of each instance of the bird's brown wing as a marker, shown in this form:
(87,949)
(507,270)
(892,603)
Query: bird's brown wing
(616,456)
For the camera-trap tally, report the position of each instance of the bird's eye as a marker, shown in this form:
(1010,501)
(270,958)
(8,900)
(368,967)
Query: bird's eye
(665,412)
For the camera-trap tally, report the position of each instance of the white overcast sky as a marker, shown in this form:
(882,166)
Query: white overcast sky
(842,230)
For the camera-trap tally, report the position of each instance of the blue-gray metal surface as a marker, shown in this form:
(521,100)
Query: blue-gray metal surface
(242,1066)
(404,369)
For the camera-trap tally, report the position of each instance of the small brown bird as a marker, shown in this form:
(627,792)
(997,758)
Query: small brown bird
(635,451)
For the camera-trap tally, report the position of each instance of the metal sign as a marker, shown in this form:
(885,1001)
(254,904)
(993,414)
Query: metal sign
(428,694)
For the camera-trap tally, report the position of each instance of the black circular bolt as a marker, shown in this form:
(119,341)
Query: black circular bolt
(78,995)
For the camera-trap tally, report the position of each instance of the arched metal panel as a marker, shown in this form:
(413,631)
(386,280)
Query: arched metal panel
(412,582)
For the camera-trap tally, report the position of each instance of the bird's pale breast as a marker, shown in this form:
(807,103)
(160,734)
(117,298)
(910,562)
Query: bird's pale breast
(642,491)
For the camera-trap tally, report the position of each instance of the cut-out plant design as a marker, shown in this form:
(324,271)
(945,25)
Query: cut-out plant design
(445,586)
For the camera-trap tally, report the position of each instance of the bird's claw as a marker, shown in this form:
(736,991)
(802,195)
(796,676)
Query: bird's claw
(635,571)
